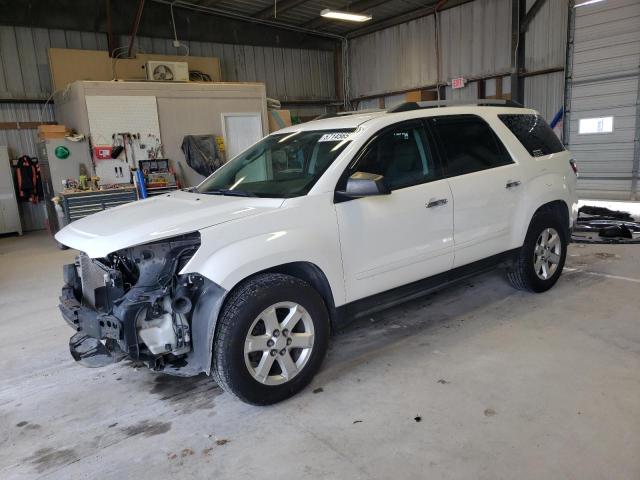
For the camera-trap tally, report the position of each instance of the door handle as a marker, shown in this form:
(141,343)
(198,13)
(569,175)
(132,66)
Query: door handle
(437,203)
(513,183)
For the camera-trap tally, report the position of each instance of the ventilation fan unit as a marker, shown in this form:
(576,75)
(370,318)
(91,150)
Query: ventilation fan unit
(161,71)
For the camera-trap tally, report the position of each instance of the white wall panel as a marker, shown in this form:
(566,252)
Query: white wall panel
(606,82)
(546,38)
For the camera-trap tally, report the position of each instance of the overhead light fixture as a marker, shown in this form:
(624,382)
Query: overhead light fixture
(348,16)
(588,2)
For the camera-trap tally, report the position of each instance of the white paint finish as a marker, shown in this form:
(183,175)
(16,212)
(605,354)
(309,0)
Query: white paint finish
(240,131)
(9,213)
(303,229)
(484,212)
(156,218)
(362,246)
(391,240)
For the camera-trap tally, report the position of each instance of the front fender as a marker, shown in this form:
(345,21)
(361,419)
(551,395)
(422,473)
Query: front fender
(234,262)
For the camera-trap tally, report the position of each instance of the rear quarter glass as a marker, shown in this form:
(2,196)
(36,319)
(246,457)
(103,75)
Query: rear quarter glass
(535,135)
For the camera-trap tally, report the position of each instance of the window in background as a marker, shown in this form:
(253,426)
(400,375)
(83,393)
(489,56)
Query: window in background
(595,125)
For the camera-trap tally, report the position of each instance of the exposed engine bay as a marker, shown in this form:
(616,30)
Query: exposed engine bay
(134,303)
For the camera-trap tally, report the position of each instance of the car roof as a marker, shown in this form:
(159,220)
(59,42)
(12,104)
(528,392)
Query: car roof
(354,120)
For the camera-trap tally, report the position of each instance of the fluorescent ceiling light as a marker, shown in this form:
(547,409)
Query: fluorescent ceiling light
(588,2)
(350,17)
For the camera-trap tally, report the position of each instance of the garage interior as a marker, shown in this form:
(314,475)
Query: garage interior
(476,381)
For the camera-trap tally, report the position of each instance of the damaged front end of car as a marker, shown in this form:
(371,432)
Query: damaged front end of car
(135,304)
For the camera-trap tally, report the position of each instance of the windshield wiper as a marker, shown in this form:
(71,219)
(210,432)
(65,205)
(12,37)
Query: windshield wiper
(229,193)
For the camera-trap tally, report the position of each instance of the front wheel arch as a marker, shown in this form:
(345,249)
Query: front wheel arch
(307,272)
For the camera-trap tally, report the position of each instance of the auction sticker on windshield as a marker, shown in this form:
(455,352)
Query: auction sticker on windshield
(334,137)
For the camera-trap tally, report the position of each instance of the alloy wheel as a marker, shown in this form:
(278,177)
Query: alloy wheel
(279,343)
(547,253)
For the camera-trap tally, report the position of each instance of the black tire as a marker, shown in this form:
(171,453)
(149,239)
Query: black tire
(522,273)
(245,303)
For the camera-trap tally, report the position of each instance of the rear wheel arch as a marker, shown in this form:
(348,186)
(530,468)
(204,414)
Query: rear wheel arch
(558,208)
(550,219)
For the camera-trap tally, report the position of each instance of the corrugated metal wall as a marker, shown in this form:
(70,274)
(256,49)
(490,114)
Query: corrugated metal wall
(545,93)
(606,82)
(22,141)
(475,40)
(397,58)
(545,48)
(289,74)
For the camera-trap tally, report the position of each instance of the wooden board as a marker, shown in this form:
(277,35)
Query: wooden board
(68,65)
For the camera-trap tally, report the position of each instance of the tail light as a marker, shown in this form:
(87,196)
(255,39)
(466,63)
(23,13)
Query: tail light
(574,166)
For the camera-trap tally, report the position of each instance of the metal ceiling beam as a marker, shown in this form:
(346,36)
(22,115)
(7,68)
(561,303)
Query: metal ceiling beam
(403,18)
(533,11)
(193,22)
(361,6)
(279,7)
(135,27)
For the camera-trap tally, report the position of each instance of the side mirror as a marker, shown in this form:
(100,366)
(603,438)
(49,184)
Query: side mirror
(363,184)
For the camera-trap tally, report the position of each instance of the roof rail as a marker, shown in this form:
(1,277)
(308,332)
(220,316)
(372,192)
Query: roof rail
(351,112)
(407,106)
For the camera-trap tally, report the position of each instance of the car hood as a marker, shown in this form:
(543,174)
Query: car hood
(157,218)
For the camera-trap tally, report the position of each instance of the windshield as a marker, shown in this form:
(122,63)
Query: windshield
(284,165)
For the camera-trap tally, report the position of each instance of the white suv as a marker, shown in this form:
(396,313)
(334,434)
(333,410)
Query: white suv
(245,276)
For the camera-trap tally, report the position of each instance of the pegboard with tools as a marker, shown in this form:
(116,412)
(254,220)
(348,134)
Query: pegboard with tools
(124,130)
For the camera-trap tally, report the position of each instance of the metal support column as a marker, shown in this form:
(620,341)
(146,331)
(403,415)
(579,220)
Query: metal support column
(568,72)
(518,13)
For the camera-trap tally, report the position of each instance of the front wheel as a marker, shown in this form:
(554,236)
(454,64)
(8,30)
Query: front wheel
(271,338)
(541,258)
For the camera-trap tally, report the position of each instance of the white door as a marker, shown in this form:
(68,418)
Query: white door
(486,185)
(240,131)
(392,240)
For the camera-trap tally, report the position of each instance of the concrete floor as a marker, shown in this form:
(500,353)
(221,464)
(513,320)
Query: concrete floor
(479,381)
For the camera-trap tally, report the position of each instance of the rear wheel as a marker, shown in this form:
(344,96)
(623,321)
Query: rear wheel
(541,259)
(271,338)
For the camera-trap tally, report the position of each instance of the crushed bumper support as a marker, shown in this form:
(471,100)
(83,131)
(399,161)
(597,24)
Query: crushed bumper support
(91,352)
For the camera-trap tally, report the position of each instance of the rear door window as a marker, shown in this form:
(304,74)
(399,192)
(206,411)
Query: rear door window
(533,133)
(468,144)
